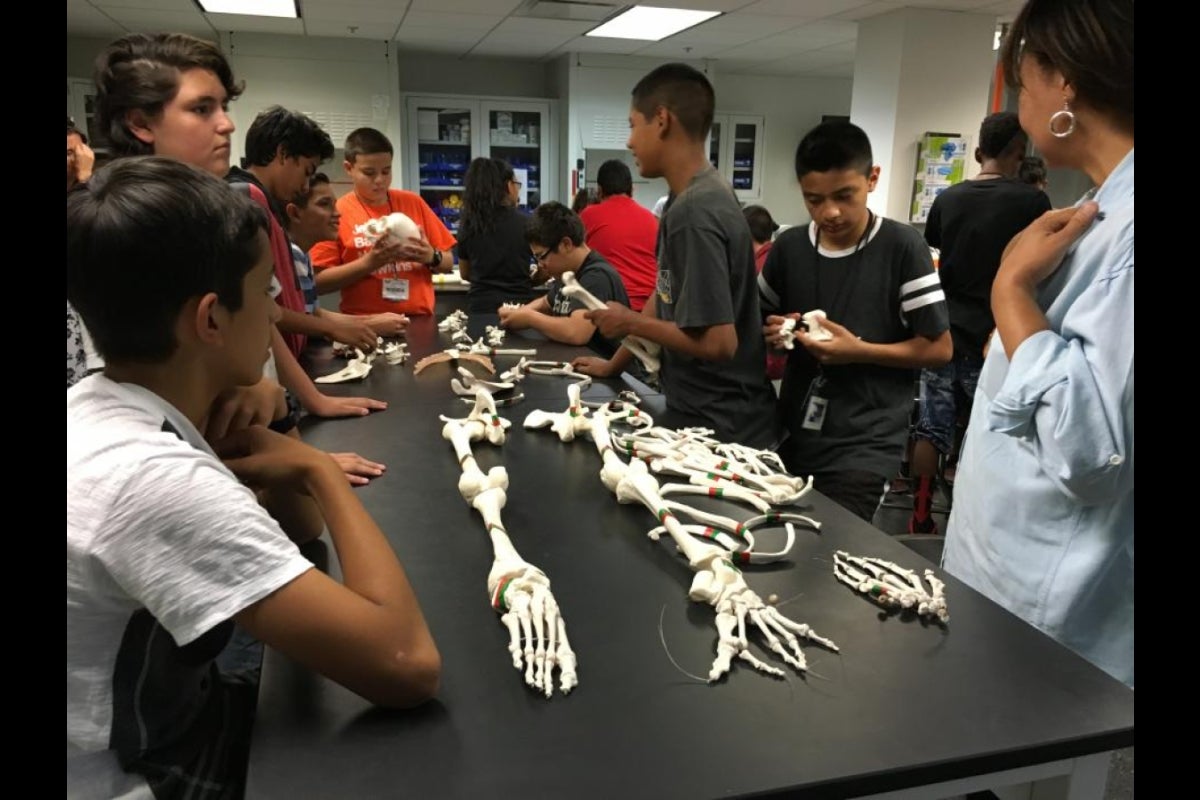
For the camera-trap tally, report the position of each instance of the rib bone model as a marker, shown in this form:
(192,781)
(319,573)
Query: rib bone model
(520,592)
(717,580)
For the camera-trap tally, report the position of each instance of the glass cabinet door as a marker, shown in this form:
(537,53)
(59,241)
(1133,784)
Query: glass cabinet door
(746,167)
(714,145)
(518,133)
(442,144)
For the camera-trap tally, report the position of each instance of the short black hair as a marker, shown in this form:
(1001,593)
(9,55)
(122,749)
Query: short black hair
(551,222)
(999,132)
(72,129)
(614,177)
(1089,41)
(1032,170)
(762,225)
(144,236)
(834,145)
(366,142)
(684,91)
(318,178)
(140,72)
(299,136)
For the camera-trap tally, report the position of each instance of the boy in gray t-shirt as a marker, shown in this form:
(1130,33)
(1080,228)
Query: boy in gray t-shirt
(704,311)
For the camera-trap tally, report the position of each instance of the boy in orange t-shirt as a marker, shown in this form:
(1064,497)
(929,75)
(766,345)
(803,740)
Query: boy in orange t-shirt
(392,276)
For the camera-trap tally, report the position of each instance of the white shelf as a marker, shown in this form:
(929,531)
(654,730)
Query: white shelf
(439,141)
(437,188)
(516,144)
(750,140)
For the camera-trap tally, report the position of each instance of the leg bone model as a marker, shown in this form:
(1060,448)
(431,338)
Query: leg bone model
(519,591)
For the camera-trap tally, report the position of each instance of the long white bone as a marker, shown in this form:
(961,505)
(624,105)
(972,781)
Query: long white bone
(649,353)
(519,591)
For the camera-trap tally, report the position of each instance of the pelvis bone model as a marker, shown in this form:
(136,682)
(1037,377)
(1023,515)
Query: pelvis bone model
(717,581)
(520,592)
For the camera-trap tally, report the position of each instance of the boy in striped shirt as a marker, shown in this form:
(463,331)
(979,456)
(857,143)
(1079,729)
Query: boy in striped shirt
(846,400)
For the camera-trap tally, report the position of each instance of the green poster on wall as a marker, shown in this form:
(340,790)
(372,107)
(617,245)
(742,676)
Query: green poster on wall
(941,162)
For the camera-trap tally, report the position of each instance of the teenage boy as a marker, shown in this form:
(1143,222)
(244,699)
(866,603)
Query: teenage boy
(283,150)
(391,276)
(312,217)
(704,311)
(167,547)
(846,401)
(623,231)
(970,223)
(555,234)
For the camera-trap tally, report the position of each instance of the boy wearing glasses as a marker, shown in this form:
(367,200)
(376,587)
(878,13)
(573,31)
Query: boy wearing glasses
(555,233)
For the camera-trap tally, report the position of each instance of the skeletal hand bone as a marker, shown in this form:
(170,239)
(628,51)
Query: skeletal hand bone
(812,321)
(891,585)
(395,224)
(717,581)
(647,352)
(519,591)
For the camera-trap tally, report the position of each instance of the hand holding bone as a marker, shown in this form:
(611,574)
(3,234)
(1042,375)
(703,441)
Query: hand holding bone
(646,351)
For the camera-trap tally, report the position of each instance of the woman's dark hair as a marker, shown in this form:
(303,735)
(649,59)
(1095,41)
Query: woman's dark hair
(140,72)
(583,199)
(1089,41)
(134,218)
(485,195)
(762,226)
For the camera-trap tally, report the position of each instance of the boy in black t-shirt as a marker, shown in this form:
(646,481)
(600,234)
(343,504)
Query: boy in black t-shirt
(704,310)
(846,400)
(971,223)
(555,233)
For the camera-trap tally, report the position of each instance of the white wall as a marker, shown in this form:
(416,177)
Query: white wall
(600,86)
(919,70)
(791,107)
(427,73)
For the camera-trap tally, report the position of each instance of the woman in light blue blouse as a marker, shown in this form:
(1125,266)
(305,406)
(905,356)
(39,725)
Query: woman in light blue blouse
(1043,503)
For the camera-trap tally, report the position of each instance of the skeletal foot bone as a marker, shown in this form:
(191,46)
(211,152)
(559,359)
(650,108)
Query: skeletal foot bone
(891,585)
(519,591)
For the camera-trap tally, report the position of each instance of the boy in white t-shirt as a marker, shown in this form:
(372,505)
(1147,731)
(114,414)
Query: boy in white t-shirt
(167,546)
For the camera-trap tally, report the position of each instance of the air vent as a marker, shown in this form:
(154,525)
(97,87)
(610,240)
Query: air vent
(581,10)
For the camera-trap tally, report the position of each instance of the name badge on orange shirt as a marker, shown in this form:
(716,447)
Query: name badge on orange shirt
(395,289)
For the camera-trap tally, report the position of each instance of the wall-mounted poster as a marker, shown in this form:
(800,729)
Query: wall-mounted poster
(941,162)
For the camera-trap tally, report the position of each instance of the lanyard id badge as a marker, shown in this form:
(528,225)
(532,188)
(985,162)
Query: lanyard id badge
(395,289)
(816,405)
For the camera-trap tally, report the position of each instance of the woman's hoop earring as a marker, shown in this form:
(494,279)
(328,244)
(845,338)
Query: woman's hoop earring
(1057,117)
